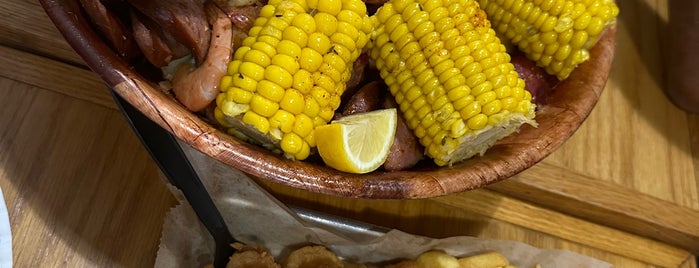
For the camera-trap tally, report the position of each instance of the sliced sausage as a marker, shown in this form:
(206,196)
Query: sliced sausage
(242,15)
(116,32)
(156,45)
(367,98)
(406,150)
(537,81)
(185,20)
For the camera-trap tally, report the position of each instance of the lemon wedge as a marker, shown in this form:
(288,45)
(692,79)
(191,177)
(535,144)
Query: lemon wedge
(357,143)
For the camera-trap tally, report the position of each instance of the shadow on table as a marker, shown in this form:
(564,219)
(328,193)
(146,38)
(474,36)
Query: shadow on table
(77,174)
(642,35)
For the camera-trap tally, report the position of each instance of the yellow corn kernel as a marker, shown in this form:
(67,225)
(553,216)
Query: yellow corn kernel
(263,47)
(321,96)
(331,7)
(258,57)
(254,31)
(266,11)
(287,62)
(252,70)
(311,107)
(270,90)
(303,125)
(477,122)
(293,101)
(323,81)
(290,48)
(263,106)
(351,18)
(233,67)
(310,59)
(334,62)
(243,82)
(305,22)
(310,139)
(240,52)
(283,121)
(291,143)
(296,35)
(304,152)
(279,75)
(225,82)
(259,122)
(343,39)
(238,95)
(325,23)
(273,28)
(303,81)
(326,113)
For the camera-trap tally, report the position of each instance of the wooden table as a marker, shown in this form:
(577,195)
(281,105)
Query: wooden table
(82,191)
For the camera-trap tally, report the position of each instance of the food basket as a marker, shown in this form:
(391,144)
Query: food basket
(566,108)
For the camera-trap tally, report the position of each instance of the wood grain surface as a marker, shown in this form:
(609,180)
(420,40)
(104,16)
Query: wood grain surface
(82,192)
(79,188)
(25,26)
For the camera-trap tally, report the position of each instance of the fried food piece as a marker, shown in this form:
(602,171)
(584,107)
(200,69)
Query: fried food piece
(485,260)
(251,257)
(436,259)
(312,257)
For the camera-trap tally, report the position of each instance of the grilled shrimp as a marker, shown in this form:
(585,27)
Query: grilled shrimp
(196,87)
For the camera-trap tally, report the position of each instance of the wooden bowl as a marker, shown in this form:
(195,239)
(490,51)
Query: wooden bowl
(566,109)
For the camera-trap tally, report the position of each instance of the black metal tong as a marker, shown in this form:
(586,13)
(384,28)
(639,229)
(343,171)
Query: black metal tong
(168,155)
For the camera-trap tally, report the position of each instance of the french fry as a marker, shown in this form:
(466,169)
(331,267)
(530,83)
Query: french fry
(485,260)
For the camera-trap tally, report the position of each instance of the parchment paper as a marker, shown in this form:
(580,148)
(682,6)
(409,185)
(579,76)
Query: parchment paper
(254,217)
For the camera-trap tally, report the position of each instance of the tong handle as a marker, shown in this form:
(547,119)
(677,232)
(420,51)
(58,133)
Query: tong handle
(173,162)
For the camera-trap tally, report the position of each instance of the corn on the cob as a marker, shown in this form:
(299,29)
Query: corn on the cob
(556,34)
(450,75)
(289,73)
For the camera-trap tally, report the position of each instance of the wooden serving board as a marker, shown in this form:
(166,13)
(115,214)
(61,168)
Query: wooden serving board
(633,165)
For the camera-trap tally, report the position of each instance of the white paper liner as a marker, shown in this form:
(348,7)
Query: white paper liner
(254,217)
